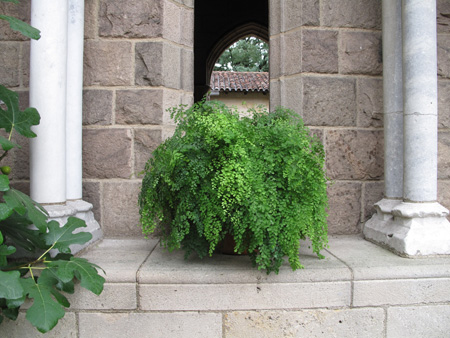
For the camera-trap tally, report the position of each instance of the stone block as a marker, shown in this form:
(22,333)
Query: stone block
(444,194)
(106,153)
(20,328)
(140,106)
(311,13)
(443,16)
(443,46)
(320,51)
(22,186)
(115,296)
(91,194)
(131,19)
(108,63)
(401,292)
(344,208)
(25,62)
(21,11)
(91,19)
(219,297)
(154,325)
(292,53)
(360,53)
(373,192)
(329,101)
(187,70)
(293,14)
(292,93)
(370,102)
(275,58)
(21,164)
(275,93)
(120,202)
(145,141)
(366,322)
(355,13)
(444,104)
(97,107)
(171,20)
(418,321)
(275,17)
(444,155)
(9,61)
(355,154)
(187,27)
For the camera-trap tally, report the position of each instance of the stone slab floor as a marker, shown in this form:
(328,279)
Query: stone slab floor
(358,290)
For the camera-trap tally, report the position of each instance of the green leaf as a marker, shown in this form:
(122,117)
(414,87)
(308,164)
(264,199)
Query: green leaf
(13,1)
(5,250)
(16,228)
(22,204)
(4,183)
(8,145)
(10,287)
(45,311)
(15,303)
(11,313)
(49,278)
(22,27)
(5,212)
(21,121)
(85,270)
(63,236)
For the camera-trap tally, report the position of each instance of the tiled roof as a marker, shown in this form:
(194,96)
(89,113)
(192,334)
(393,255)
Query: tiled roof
(240,81)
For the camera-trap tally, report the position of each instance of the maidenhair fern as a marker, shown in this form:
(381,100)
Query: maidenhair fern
(259,179)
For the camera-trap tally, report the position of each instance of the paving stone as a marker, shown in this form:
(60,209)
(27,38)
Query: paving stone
(443,21)
(106,153)
(145,141)
(443,43)
(370,102)
(292,53)
(132,19)
(418,322)
(115,296)
(151,325)
(21,328)
(355,13)
(444,104)
(204,297)
(108,63)
(344,208)
(141,106)
(308,323)
(354,154)
(373,192)
(320,51)
(97,107)
(91,194)
(360,53)
(9,60)
(329,101)
(120,200)
(444,155)
(401,292)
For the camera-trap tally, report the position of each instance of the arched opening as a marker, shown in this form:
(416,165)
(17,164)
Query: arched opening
(217,26)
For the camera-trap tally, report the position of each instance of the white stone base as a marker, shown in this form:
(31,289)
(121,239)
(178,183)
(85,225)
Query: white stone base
(80,209)
(410,229)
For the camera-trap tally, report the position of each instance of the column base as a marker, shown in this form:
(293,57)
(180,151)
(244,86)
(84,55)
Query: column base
(80,209)
(410,229)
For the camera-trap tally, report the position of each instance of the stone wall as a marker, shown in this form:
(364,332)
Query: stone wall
(325,64)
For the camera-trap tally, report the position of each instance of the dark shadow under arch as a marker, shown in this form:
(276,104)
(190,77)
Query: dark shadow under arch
(217,26)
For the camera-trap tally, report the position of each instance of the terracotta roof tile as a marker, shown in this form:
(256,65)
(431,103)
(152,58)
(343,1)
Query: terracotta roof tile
(240,81)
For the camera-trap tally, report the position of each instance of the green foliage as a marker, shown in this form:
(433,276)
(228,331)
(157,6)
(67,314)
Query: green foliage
(247,55)
(41,278)
(19,25)
(259,179)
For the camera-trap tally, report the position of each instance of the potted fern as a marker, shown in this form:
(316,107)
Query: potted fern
(259,179)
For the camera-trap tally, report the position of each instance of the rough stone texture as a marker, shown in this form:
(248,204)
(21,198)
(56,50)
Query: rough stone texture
(187,70)
(292,93)
(132,19)
(151,325)
(20,11)
(275,58)
(443,16)
(120,202)
(329,101)
(187,27)
(370,102)
(293,16)
(309,323)
(444,194)
(115,296)
(275,17)
(20,328)
(354,13)
(292,51)
(97,107)
(401,292)
(21,164)
(344,208)
(171,22)
(360,53)
(320,51)
(418,322)
(9,61)
(25,63)
(91,194)
(444,155)
(443,104)
(373,192)
(108,63)
(106,153)
(145,141)
(139,106)
(90,19)
(157,64)
(310,12)
(443,43)
(354,154)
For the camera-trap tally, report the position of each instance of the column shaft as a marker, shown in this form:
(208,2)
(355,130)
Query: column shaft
(48,94)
